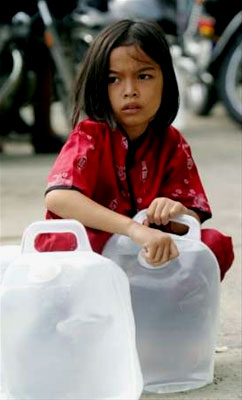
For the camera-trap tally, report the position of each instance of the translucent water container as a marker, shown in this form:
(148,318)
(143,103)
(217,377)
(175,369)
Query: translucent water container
(67,324)
(8,253)
(176,309)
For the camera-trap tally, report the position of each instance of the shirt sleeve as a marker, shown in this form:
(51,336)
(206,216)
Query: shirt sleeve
(77,164)
(181,179)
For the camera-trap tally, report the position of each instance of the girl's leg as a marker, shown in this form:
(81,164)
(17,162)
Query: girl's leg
(221,246)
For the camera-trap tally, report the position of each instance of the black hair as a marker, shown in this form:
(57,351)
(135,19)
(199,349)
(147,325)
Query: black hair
(91,90)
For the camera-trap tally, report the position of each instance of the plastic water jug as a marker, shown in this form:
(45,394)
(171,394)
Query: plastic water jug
(176,310)
(8,253)
(67,324)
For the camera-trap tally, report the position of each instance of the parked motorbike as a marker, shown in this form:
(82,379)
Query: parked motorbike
(211,57)
(205,40)
(34,70)
(211,63)
(16,83)
(66,40)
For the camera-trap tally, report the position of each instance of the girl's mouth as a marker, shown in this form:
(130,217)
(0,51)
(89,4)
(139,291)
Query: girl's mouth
(131,108)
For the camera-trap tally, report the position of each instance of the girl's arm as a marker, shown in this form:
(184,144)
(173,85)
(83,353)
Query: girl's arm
(157,246)
(72,204)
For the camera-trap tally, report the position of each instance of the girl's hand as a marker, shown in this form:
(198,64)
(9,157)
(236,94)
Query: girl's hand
(162,210)
(158,247)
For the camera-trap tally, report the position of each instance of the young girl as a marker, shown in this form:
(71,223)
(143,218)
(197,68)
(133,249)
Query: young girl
(126,156)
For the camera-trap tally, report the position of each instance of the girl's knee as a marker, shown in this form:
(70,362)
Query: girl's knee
(222,246)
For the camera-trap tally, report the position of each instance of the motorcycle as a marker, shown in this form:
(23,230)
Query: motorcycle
(36,70)
(207,65)
(205,43)
(66,40)
(211,57)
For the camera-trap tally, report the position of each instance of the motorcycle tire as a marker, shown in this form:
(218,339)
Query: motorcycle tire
(200,98)
(230,81)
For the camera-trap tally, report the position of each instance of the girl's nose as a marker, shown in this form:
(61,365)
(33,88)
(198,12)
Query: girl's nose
(130,89)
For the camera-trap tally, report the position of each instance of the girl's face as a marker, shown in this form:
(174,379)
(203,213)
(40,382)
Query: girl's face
(135,85)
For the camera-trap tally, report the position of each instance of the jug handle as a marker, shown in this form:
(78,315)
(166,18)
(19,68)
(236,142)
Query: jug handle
(194,231)
(55,226)
(127,246)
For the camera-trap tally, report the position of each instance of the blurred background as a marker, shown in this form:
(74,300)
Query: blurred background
(43,42)
(41,45)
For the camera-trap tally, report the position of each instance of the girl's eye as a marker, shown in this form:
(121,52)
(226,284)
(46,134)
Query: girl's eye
(145,76)
(113,79)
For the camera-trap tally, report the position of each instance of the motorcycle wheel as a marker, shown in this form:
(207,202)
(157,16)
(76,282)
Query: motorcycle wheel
(230,81)
(200,98)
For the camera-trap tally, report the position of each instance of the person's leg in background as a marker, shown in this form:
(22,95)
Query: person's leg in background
(44,139)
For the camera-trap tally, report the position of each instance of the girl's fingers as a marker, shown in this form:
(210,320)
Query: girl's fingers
(154,253)
(176,210)
(165,214)
(162,256)
(173,251)
(157,213)
(165,255)
(159,255)
(151,212)
(161,210)
(149,253)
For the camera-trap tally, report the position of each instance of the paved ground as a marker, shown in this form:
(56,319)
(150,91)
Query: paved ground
(216,144)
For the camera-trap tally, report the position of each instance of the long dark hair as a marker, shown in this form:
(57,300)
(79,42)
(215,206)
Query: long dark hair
(91,89)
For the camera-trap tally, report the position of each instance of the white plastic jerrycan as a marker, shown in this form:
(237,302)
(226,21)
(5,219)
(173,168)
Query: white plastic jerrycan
(8,253)
(176,310)
(67,324)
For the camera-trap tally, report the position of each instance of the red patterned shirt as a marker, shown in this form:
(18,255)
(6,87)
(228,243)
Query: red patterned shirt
(126,176)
